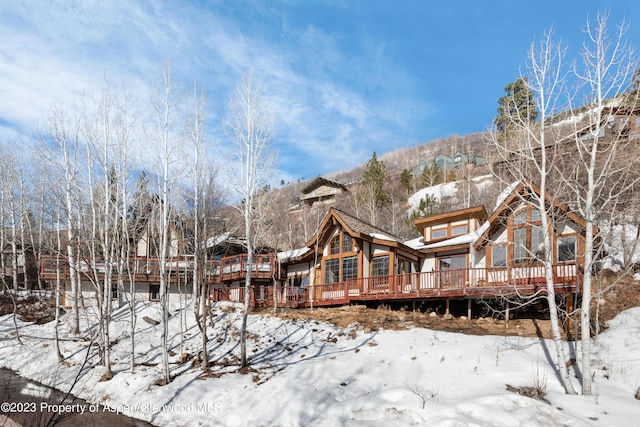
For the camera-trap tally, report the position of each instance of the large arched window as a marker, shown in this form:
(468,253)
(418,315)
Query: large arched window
(341,262)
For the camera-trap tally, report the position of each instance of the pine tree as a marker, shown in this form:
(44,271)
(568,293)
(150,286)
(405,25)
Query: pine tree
(372,193)
(427,206)
(517,106)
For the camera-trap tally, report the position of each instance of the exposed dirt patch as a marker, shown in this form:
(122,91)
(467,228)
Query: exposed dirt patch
(367,320)
(621,294)
(30,309)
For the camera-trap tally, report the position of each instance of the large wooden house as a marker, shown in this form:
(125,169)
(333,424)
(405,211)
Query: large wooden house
(460,255)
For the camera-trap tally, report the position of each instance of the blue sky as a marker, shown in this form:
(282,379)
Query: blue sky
(343,78)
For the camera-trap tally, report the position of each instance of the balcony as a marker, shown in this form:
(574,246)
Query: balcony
(224,270)
(461,283)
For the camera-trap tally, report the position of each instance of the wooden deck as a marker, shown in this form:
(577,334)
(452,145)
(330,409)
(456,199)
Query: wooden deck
(464,283)
(474,283)
(220,271)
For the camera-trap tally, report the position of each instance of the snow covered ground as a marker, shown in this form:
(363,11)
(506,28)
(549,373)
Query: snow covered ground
(310,373)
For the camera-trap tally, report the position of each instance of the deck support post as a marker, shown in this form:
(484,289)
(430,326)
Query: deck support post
(469,309)
(446,310)
(569,317)
(506,316)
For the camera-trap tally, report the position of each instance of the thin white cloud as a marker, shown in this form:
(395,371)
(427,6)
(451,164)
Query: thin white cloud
(52,51)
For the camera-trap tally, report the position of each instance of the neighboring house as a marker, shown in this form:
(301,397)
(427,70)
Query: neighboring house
(321,189)
(445,162)
(24,263)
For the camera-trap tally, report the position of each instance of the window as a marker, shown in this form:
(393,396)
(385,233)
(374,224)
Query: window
(527,237)
(334,245)
(454,262)
(114,291)
(519,245)
(154,292)
(499,256)
(349,267)
(567,249)
(347,243)
(380,266)
(331,270)
(437,234)
(459,229)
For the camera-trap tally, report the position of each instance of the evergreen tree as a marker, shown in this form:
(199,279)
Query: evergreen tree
(373,177)
(427,206)
(372,193)
(406,179)
(517,106)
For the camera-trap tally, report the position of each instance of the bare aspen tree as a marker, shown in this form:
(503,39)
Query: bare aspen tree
(164,102)
(528,154)
(195,131)
(9,215)
(65,134)
(604,171)
(58,289)
(250,129)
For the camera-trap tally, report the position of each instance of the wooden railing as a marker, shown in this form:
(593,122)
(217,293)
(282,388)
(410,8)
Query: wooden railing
(470,282)
(148,269)
(263,296)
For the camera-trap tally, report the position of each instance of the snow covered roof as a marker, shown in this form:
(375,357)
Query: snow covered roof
(292,254)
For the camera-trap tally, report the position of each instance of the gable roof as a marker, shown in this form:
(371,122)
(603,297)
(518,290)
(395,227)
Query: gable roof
(356,228)
(522,191)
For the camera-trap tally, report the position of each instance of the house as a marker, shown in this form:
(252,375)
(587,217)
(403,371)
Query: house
(345,250)
(321,189)
(444,162)
(24,262)
(463,255)
(445,238)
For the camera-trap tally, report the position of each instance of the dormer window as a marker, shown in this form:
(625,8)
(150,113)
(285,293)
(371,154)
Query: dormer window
(459,230)
(439,234)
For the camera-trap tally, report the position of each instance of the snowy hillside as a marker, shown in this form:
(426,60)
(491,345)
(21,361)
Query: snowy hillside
(311,373)
(448,189)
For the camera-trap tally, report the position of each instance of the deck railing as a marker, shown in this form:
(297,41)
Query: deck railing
(148,269)
(470,282)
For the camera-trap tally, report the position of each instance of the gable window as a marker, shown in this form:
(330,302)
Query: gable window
(527,236)
(380,266)
(340,263)
(347,243)
(566,249)
(334,245)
